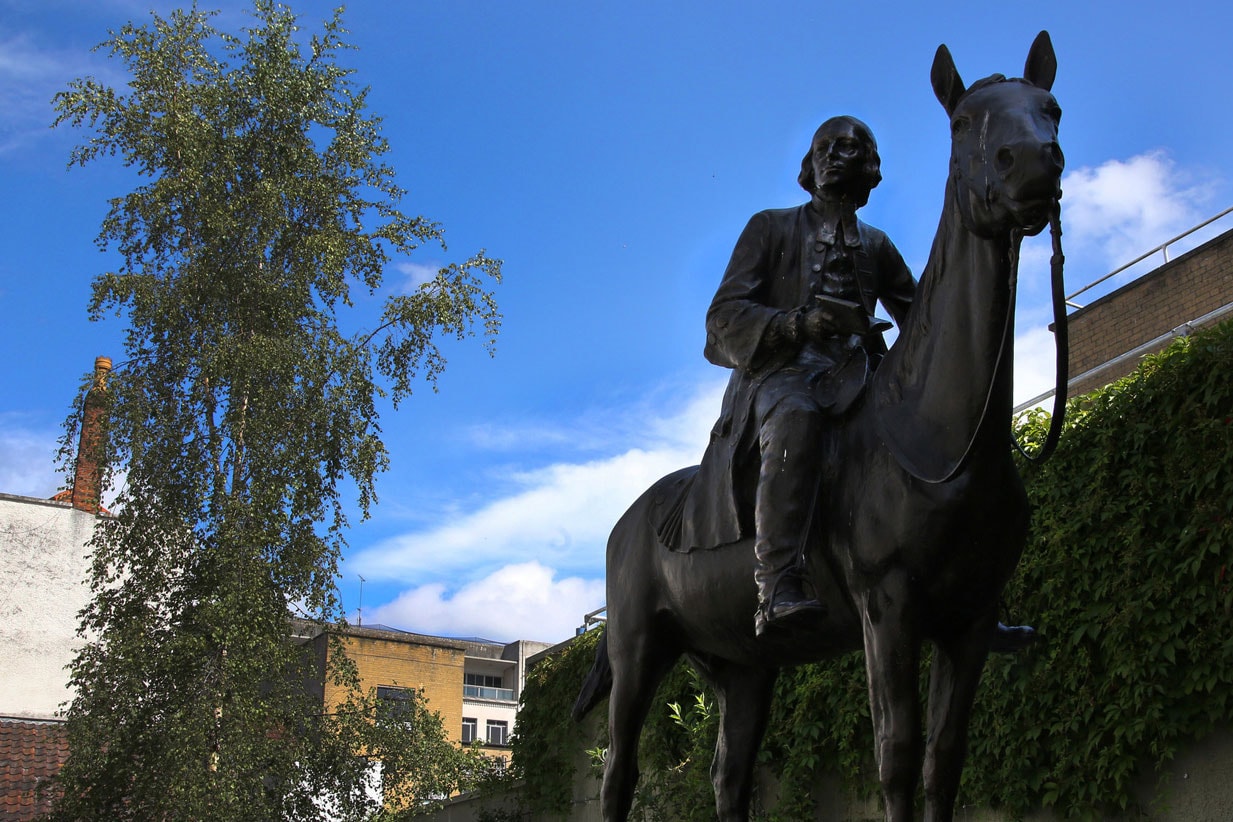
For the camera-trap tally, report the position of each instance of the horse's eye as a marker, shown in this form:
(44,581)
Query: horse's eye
(959,125)
(1054,111)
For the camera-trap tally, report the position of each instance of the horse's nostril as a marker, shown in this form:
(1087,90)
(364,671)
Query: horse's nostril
(1005,159)
(1054,152)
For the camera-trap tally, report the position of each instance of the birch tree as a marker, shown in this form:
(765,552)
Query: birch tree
(243,418)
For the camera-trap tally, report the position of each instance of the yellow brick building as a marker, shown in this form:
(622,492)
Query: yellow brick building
(391,661)
(474,684)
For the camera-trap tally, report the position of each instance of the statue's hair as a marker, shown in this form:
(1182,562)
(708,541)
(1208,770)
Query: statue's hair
(871,172)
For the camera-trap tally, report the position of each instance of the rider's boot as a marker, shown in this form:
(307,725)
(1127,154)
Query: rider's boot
(787,491)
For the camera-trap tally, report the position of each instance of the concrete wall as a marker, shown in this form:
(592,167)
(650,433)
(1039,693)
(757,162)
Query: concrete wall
(43,572)
(1181,290)
(1196,787)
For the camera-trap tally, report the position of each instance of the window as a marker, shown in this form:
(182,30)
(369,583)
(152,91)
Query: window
(483,680)
(400,702)
(498,732)
(470,730)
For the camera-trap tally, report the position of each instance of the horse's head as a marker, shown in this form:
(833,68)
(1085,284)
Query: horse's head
(1005,161)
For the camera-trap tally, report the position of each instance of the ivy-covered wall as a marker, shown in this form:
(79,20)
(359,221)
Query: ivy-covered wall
(1126,574)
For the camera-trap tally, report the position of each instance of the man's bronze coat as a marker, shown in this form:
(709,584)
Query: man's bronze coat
(772,271)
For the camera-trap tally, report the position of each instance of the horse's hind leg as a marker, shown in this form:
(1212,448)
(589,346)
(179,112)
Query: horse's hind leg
(956,670)
(638,664)
(744,696)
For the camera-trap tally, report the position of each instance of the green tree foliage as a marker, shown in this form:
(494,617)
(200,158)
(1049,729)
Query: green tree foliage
(242,414)
(1127,574)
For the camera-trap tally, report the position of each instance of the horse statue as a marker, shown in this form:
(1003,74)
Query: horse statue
(925,513)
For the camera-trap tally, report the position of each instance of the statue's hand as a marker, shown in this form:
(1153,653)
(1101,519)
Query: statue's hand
(822,321)
(818,323)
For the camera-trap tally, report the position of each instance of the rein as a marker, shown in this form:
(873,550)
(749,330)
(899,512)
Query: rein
(1061,338)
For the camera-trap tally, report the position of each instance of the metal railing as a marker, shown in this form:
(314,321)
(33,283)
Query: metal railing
(1162,247)
(480,692)
(590,620)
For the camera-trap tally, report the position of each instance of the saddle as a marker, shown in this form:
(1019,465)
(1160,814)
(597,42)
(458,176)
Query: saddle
(669,509)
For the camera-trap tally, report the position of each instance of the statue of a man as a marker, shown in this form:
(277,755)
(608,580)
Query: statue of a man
(794,320)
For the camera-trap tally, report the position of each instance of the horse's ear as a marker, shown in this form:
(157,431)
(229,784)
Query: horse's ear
(947,84)
(1041,66)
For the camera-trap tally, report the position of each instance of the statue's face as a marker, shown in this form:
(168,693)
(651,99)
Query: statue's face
(839,154)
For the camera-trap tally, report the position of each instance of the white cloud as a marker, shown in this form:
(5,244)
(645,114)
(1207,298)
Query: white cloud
(642,423)
(1035,361)
(30,74)
(1121,208)
(27,460)
(563,514)
(415,275)
(520,601)
(560,514)
(493,570)
(529,564)
(25,88)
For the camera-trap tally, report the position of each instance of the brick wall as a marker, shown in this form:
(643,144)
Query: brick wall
(396,659)
(1181,290)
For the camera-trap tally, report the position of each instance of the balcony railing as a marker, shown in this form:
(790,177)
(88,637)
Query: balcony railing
(480,692)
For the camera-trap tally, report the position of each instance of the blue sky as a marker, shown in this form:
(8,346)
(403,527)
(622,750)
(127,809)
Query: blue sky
(609,153)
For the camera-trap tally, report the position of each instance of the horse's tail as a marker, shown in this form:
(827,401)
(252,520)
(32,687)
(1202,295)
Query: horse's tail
(597,684)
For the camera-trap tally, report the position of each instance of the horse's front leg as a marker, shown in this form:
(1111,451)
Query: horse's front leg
(892,662)
(957,665)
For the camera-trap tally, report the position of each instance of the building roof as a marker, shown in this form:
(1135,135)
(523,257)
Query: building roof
(477,640)
(31,753)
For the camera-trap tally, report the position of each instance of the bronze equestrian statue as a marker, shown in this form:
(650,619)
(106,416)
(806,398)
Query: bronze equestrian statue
(921,515)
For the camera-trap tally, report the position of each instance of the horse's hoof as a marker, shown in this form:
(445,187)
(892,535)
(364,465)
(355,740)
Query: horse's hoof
(1009,639)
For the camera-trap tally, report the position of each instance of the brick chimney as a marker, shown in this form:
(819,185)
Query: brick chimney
(88,473)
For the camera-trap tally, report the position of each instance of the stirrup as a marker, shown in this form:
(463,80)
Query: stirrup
(773,613)
(1010,639)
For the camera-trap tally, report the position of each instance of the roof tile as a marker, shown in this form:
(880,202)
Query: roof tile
(30,754)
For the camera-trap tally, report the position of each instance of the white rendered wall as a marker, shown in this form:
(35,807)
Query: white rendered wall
(484,710)
(43,568)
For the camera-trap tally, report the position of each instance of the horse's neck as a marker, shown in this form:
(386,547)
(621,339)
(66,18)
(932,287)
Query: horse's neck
(947,381)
